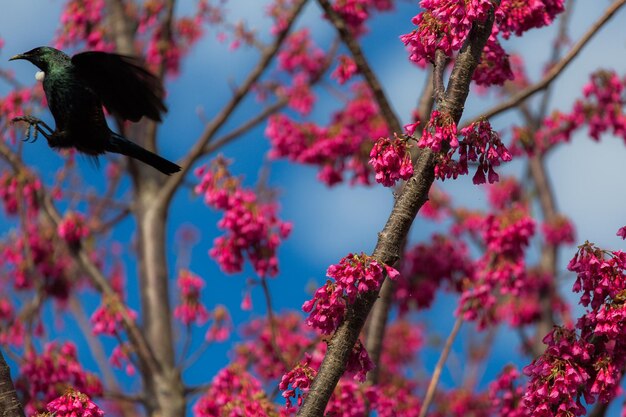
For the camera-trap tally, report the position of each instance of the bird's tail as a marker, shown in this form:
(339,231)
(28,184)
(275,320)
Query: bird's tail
(119,144)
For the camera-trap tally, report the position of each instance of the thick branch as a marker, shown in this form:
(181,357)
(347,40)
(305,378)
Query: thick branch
(10,406)
(390,239)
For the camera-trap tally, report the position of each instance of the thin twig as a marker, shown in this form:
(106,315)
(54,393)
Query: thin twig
(432,386)
(272,323)
(168,189)
(82,258)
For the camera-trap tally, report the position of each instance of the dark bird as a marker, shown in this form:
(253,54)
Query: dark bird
(76,89)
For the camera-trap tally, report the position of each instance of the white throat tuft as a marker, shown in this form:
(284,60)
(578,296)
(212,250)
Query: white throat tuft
(40,75)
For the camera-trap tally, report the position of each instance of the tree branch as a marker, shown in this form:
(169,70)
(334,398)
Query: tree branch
(390,239)
(556,70)
(10,406)
(168,189)
(361,62)
(432,386)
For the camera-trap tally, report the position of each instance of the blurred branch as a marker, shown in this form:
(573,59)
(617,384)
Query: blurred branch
(213,145)
(98,280)
(556,70)
(361,62)
(95,346)
(168,189)
(432,386)
(559,42)
(390,240)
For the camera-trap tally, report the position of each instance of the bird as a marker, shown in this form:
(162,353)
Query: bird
(76,90)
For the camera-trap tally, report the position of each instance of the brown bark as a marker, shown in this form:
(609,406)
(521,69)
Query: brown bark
(10,406)
(390,239)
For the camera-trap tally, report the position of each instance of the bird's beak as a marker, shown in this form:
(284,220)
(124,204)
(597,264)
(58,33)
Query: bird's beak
(18,56)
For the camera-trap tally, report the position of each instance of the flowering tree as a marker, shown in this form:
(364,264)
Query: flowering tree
(352,349)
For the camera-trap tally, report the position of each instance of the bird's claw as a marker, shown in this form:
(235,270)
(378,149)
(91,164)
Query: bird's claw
(32,134)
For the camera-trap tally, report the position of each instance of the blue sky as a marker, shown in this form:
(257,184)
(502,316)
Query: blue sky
(331,222)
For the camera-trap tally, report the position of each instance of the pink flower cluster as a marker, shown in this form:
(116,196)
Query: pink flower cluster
(586,361)
(299,379)
(221,326)
(299,54)
(504,194)
(426,267)
(494,67)
(480,144)
(12,329)
(252,226)
(107,319)
(45,376)
(267,352)
(234,393)
(19,191)
(36,248)
(356,12)
(601,109)
(391,161)
(354,275)
(167,51)
(502,269)
(505,394)
(73,229)
(520,16)
(345,69)
(82,21)
(444,25)
(72,404)
(559,231)
(13,104)
(120,358)
(343,145)
(351,400)
(401,344)
(191,309)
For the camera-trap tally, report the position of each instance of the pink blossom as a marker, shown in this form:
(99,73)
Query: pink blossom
(354,275)
(191,309)
(391,161)
(234,393)
(221,326)
(45,376)
(345,69)
(337,148)
(72,229)
(74,403)
(252,228)
(622,232)
(266,350)
(559,231)
(426,268)
(108,318)
(520,16)
(120,358)
(494,67)
(299,379)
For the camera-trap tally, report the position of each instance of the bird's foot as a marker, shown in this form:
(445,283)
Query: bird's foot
(39,127)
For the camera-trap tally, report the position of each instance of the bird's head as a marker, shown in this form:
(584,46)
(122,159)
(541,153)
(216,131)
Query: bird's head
(42,57)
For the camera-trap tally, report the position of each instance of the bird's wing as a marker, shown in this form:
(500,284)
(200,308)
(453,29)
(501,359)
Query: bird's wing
(125,87)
